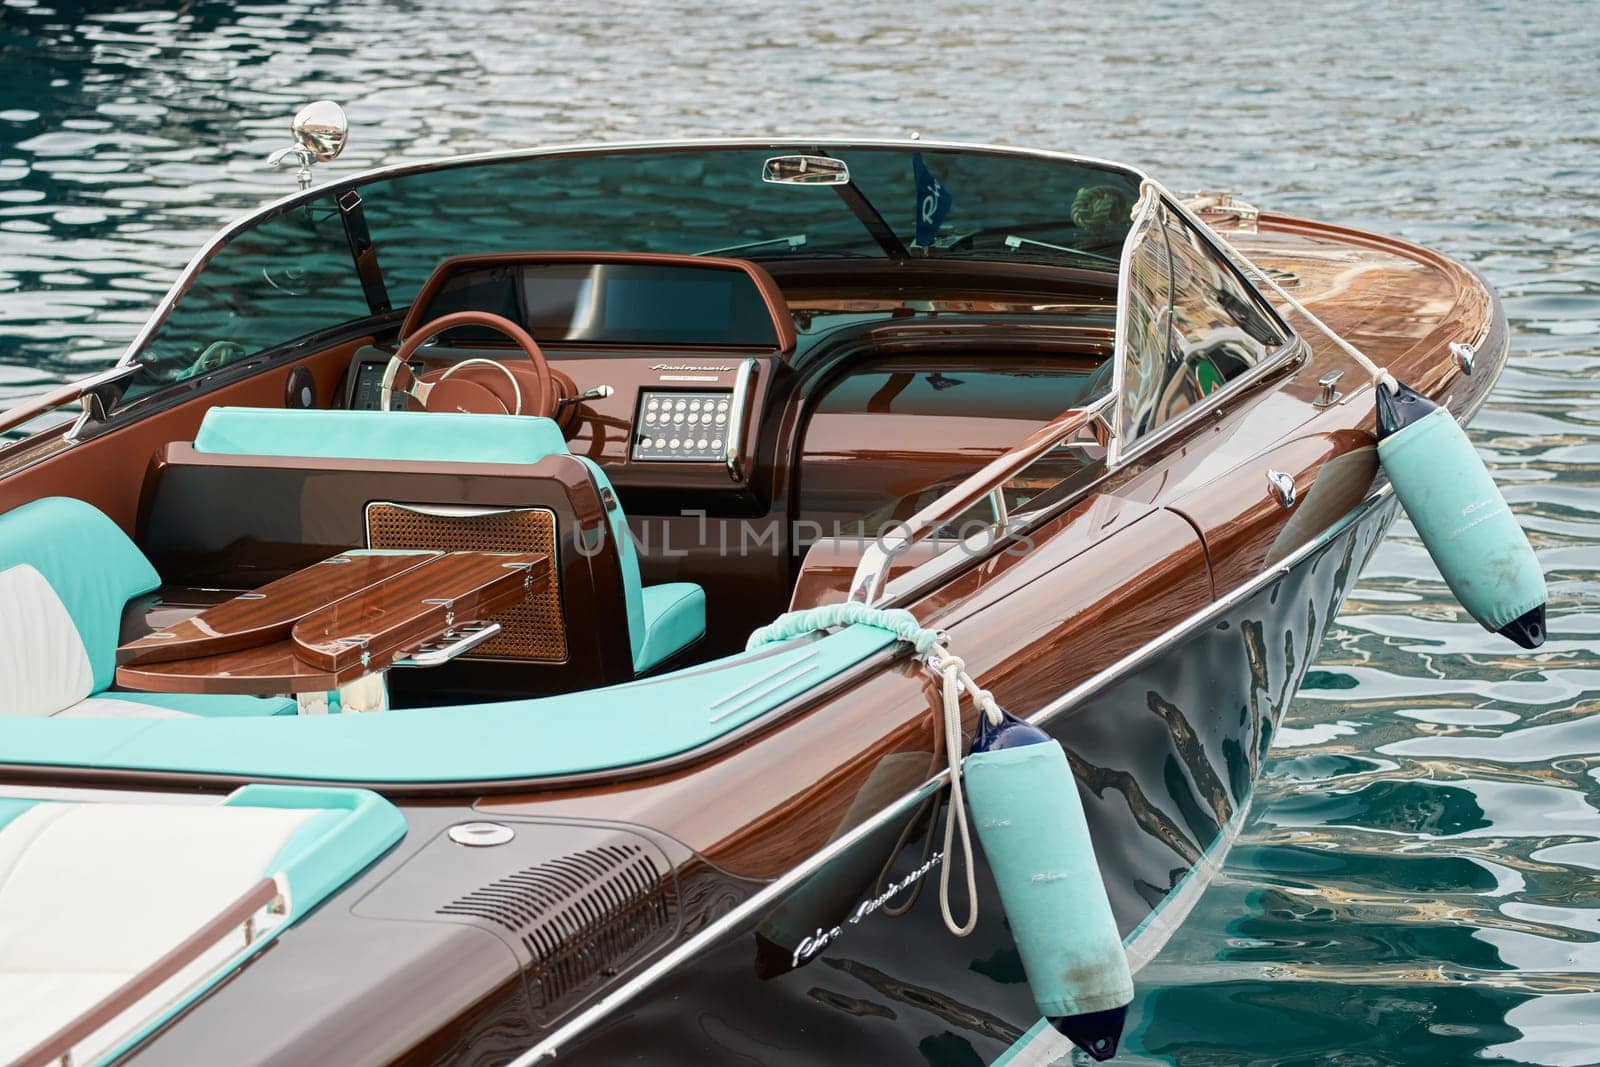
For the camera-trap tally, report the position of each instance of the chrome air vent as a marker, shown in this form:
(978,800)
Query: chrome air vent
(581,917)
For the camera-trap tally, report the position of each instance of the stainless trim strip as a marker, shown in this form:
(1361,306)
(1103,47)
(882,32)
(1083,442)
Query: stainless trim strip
(780,886)
(788,664)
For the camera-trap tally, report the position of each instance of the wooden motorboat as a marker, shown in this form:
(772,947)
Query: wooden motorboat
(374,683)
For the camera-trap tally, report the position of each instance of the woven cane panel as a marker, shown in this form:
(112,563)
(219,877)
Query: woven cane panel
(532,629)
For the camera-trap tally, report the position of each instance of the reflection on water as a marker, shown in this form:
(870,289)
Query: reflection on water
(1417,882)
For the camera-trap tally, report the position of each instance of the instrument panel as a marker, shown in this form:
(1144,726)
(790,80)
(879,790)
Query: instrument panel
(681,425)
(366,383)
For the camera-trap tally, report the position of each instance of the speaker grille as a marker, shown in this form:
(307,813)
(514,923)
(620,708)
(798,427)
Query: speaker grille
(581,917)
(533,630)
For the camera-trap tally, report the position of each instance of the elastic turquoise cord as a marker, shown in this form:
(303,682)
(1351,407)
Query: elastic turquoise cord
(897,621)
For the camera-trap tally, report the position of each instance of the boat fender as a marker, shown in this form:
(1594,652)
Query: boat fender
(1031,824)
(1461,516)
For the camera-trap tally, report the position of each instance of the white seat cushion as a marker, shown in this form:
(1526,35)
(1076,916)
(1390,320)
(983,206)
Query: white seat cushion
(43,664)
(90,894)
(104,707)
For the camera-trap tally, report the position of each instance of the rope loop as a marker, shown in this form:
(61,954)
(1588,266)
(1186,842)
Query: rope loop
(952,672)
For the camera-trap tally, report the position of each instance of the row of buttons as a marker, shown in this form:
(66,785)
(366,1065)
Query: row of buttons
(675,442)
(689,418)
(659,404)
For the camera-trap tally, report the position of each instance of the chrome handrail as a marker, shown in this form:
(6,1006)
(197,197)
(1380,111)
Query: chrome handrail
(866,585)
(89,392)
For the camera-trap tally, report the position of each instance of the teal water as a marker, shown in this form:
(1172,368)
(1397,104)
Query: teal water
(1419,882)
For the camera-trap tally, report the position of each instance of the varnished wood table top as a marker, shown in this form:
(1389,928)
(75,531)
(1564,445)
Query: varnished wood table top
(269,613)
(330,624)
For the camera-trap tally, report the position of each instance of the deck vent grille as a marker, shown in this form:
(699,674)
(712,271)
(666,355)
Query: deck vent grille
(581,917)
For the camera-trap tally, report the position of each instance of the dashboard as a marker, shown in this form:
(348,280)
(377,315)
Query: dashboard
(667,422)
(685,347)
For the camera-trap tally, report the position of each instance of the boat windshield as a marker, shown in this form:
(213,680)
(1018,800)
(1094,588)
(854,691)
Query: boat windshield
(291,275)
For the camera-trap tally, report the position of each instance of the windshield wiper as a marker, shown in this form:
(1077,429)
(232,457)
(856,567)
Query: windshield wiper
(793,240)
(1015,242)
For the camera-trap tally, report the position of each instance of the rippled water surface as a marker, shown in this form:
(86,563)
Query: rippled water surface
(1418,883)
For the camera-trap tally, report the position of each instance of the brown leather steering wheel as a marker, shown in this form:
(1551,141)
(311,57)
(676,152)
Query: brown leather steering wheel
(476,386)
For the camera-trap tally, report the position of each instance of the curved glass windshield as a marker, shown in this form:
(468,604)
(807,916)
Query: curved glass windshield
(288,277)
(1191,325)
(294,274)
(713,202)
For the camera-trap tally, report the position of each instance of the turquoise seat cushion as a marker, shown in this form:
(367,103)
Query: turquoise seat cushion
(674,618)
(620,726)
(420,436)
(210,706)
(89,563)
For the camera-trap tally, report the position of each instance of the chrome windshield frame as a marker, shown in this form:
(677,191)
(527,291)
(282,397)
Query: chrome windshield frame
(1119,454)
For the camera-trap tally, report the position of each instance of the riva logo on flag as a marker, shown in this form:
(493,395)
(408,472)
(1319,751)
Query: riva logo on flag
(933,203)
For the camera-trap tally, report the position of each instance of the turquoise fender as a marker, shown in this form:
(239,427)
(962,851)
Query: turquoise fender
(1030,820)
(1467,526)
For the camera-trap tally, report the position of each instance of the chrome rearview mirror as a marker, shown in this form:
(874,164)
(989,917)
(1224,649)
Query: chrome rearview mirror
(805,170)
(320,131)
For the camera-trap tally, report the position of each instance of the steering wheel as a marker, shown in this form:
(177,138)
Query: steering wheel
(475,386)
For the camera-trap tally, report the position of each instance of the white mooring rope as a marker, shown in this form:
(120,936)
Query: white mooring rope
(954,678)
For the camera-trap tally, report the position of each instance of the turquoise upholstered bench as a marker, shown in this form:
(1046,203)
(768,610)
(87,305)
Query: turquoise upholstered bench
(662,619)
(66,573)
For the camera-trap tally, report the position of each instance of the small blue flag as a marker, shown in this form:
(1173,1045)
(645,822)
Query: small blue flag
(933,203)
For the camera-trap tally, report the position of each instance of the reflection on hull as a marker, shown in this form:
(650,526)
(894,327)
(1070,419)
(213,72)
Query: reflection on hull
(1165,757)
